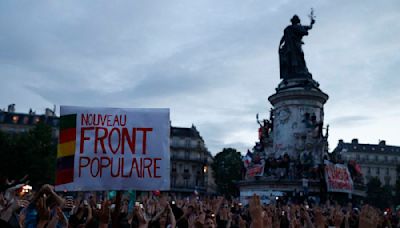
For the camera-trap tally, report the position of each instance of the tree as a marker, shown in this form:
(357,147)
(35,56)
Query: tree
(378,195)
(396,199)
(227,167)
(397,187)
(33,153)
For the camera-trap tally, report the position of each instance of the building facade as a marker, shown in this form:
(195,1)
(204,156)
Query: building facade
(376,160)
(190,162)
(13,123)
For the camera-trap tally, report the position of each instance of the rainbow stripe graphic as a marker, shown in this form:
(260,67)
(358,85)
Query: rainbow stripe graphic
(66,150)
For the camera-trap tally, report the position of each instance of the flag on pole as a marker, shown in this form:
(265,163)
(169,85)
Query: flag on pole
(247,159)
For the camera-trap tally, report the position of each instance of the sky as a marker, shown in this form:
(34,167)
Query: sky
(213,63)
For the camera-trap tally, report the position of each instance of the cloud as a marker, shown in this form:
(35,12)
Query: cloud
(213,63)
(348,121)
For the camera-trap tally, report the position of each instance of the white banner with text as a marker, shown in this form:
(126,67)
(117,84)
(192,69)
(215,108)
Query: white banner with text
(113,149)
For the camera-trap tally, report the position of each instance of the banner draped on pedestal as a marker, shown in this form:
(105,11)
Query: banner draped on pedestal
(338,178)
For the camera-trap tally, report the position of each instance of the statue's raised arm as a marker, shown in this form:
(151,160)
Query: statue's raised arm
(312,18)
(291,56)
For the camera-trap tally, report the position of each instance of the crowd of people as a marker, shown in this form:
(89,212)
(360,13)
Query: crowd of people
(47,208)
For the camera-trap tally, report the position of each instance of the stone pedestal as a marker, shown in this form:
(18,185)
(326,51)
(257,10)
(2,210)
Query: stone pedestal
(297,122)
(298,115)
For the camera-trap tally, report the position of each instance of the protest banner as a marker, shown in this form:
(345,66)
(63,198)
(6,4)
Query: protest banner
(255,170)
(113,149)
(338,178)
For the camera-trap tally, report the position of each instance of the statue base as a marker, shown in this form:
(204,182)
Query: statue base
(282,185)
(271,190)
(295,83)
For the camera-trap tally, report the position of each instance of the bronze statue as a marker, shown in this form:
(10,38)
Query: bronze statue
(291,56)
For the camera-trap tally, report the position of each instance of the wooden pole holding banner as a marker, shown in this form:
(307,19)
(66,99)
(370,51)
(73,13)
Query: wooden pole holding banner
(115,214)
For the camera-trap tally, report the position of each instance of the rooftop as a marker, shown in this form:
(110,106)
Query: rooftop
(355,146)
(185,132)
(30,118)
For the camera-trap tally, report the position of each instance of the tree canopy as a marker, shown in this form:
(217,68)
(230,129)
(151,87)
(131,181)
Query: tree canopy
(378,195)
(227,167)
(33,152)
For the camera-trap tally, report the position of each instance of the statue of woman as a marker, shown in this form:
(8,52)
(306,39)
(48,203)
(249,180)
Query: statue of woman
(291,56)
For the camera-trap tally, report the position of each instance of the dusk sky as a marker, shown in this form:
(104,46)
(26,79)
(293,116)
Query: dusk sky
(213,63)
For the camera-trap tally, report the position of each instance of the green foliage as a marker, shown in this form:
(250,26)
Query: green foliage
(397,192)
(378,195)
(227,168)
(33,153)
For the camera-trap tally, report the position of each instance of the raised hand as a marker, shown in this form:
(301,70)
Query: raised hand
(104,215)
(267,219)
(223,213)
(163,202)
(338,217)
(58,217)
(191,220)
(319,218)
(295,223)
(255,212)
(242,222)
(141,215)
(368,217)
(43,210)
(276,221)
(23,203)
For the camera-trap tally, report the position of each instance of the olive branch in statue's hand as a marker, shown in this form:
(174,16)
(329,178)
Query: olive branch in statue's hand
(312,16)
